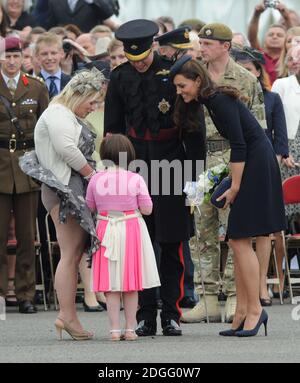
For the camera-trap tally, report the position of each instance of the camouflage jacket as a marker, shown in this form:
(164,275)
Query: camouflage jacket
(237,76)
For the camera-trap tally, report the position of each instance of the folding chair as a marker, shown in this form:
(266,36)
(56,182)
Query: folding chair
(11,249)
(291,195)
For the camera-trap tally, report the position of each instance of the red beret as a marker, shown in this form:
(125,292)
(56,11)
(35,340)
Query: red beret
(12,44)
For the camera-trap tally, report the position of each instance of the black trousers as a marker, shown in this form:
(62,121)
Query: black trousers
(172,286)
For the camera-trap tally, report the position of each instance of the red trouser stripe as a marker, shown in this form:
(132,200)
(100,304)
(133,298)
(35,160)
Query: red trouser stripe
(181,284)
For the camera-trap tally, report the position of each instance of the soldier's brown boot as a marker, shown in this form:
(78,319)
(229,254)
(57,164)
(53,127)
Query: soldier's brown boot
(230,308)
(198,313)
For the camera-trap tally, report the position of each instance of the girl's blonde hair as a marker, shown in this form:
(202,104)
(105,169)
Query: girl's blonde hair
(85,85)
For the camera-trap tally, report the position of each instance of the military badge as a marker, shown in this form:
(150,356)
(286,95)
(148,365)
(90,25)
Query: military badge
(25,80)
(164,106)
(163,72)
(208,32)
(134,47)
(29,101)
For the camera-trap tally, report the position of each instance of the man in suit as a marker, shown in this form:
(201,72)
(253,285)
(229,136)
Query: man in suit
(23,99)
(49,52)
(84,13)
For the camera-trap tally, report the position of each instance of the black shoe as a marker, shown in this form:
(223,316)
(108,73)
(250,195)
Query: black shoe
(27,307)
(171,328)
(92,309)
(265,302)
(187,303)
(103,304)
(285,295)
(146,328)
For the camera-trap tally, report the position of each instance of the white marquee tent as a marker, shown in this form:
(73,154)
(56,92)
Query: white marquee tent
(234,13)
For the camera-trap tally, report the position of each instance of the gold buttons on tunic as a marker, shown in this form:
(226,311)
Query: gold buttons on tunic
(13,104)
(13,136)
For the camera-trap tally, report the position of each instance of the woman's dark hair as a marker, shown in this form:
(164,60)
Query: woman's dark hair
(3,24)
(113,145)
(263,78)
(187,115)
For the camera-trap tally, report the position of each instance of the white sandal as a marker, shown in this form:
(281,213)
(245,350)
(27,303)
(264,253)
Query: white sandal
(130,334)
(115,338)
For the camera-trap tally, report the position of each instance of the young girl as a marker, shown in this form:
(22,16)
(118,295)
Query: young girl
(125,262)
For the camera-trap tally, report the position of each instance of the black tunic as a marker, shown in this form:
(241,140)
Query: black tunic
(144,102)
(258,208)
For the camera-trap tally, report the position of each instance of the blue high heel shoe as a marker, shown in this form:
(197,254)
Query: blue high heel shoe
(263,319)
(232,332)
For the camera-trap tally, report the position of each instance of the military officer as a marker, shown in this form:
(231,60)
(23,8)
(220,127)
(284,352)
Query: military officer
(139,103)
(215,40)
(23,99)
(174,44)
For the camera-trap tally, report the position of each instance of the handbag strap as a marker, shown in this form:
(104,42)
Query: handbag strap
(13,118)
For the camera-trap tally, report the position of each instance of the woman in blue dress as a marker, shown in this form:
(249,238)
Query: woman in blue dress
(255,195)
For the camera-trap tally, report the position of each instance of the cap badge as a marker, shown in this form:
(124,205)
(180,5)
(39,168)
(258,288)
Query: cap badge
(134,47)
(208,32)
(164,106)
(186,34)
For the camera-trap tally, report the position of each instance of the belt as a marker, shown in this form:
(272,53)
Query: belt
(14,144)
(217,145)
(163,134)
(112,236)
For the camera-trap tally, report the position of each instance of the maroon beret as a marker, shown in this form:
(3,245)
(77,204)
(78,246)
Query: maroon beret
(12,44)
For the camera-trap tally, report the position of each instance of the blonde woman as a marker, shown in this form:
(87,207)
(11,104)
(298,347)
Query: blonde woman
(17,12)
(283,63)
(62,161)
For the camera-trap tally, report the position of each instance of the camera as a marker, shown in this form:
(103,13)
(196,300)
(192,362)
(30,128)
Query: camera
(271,3)
(67,47)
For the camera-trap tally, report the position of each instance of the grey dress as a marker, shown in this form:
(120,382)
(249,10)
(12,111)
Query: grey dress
(71,197)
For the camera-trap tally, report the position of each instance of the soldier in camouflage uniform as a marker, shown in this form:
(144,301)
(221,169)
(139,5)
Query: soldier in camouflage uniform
(215,42)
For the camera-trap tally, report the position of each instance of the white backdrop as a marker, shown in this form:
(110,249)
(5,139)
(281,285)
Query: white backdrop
(234,13)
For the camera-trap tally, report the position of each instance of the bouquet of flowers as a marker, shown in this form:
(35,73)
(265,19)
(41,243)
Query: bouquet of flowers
(202,190)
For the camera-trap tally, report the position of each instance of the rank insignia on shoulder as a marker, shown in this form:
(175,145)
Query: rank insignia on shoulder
(163,72)
(164,106)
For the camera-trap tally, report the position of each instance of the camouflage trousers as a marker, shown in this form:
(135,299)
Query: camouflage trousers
(207,250)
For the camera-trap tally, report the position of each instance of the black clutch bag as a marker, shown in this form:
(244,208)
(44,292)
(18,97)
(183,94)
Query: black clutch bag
(224,185)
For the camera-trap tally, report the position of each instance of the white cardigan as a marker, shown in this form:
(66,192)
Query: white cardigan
(289,91)
(56,138)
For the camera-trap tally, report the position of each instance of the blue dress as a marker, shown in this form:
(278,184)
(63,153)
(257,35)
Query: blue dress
(258,208)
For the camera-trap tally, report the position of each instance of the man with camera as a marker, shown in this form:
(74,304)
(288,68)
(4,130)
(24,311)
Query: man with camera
(274,38)
(83,13)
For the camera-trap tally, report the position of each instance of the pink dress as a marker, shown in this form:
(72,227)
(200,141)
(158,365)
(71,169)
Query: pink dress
(125,260)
